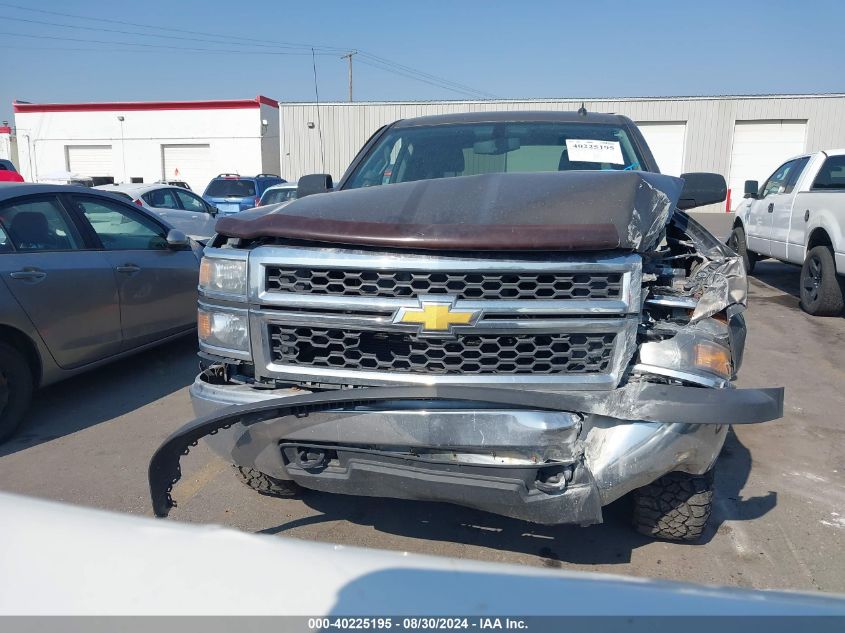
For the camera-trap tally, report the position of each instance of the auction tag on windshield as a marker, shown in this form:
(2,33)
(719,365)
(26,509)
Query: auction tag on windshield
(587,151)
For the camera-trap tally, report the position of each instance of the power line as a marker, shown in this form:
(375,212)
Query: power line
(154,46)
(158,27)
(378,62)
(398,72)
(305,49)
(382,60)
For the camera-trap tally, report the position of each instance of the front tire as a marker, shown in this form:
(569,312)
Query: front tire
(16,387)
(737,243)
(676,507)
(821,287)
(267,485)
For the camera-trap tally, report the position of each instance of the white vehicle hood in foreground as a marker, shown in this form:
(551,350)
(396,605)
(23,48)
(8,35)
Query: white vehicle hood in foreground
(64,560)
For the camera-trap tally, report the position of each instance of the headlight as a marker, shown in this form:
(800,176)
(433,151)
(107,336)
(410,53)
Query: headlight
(226,330)
(225,276)
(685,352)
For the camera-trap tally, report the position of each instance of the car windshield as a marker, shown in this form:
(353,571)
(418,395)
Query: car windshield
(225,188)
(274,196)
(442,151)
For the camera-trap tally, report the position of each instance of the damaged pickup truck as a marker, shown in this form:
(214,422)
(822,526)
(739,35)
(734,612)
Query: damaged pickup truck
(506,311)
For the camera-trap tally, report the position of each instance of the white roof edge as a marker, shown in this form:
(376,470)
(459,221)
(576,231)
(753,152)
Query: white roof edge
(586,100)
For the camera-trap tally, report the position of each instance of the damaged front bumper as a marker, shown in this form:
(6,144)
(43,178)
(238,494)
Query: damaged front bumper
(544,457)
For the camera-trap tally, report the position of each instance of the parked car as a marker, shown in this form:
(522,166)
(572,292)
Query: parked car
(66,178)
(182,209)
(798,216)
(232,193)
(278,193)
(86,278)
(176,183)
(522,321)
(8,173)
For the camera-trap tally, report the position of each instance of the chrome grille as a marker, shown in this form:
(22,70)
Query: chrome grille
(462,285)
(364,350)
(337,316)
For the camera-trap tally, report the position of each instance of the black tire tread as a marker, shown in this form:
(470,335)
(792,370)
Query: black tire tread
(19,374)
(749,258)
(676,507)
(267,485)
(832,290)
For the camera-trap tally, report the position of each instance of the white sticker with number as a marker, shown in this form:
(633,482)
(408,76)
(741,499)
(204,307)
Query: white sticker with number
(587,151)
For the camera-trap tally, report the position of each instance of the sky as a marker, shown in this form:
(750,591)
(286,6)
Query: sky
(207,49)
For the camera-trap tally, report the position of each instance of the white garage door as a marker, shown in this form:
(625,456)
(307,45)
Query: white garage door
(90,160)
(759,147)
(191,163)
(667,142)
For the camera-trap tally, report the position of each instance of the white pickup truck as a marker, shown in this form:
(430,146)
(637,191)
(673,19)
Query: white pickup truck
(798,216)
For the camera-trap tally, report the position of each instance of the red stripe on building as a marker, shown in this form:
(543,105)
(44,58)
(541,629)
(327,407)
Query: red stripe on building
(130,106)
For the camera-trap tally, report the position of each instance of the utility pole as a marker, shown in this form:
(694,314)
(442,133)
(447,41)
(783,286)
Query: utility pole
(348,57)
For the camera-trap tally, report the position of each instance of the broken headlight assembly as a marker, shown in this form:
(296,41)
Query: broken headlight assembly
(686,353)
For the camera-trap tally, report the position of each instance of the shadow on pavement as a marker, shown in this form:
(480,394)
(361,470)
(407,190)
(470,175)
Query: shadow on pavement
(106,393)
(609,543)
(732,471)
(780,276)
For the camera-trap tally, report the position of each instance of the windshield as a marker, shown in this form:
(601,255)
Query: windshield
(230,188)
(442,151)
(274,196)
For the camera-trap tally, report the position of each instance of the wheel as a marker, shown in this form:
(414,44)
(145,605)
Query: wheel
(267,485)
(676,507)
(738,244)
(821,288)
(15,389)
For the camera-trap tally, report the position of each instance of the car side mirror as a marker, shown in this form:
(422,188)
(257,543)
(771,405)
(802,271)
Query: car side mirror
(701,188)
(752,189)
(213,210)
(314,183)
(176,239)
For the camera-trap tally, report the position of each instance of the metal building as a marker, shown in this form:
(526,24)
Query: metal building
(741,137)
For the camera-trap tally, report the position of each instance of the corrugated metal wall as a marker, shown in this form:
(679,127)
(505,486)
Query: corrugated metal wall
(709,124)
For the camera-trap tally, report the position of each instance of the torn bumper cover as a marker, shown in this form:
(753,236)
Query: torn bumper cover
(576,451)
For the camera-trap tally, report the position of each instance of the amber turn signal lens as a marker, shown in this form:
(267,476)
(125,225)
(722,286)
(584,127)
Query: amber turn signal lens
(712,357)
(203,325)
(205,273)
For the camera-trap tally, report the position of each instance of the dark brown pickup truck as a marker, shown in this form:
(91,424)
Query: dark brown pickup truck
(507,311)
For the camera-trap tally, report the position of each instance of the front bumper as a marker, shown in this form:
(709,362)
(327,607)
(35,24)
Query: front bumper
(543,457)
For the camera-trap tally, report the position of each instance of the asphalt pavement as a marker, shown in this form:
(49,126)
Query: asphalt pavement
(779,521)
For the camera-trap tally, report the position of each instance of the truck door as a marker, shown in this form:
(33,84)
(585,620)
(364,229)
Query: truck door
(761,213)
(782,210)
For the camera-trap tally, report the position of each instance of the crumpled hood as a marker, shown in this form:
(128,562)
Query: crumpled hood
(554,211)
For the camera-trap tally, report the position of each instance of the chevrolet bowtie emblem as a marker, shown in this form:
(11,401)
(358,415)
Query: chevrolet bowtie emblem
(435,315)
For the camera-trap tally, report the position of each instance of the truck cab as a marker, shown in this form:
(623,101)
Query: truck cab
(797,216)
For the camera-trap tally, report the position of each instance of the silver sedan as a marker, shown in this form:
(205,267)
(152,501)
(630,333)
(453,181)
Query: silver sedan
(181,208)
(85,278)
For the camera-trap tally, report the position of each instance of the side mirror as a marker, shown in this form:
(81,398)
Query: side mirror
(314,183)
(752,189)
(213,210)
(176,239)
(701,188)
